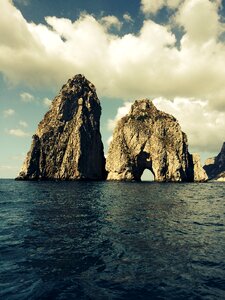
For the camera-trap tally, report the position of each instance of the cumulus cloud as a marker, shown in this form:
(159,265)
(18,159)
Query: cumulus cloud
(130,66)
(146,64)
(47,102)
(26,97)
(204,127)
(17,132)
(8,112)
(111,21)
(127,18)
(152,7)
(121,112)
(193,16)
(23,124)
(148,6)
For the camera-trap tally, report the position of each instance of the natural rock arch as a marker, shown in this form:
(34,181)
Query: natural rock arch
(142,163)
(147,175)
(147,138)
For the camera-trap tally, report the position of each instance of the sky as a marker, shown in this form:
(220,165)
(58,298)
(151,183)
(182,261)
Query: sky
(170,51)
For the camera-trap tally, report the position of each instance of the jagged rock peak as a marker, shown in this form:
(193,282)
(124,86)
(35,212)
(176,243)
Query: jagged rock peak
(77,84)
(147,138)
(215,166)
(146,107)
(67,143)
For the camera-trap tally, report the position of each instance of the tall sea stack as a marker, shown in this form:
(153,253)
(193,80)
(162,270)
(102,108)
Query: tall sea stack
(67,144)
(147,138)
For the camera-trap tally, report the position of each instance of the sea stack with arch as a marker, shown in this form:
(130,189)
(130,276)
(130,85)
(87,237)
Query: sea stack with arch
(148,138)
(67,144)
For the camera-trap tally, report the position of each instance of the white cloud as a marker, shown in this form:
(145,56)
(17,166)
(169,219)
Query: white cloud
(47,102)
(204,127)
(131,66)
(121,112)
(26,97)
(17,132)
(152,6)
(23,124)
(8,112)
(193,16)
(127,18)
(148,6)
(147,64)
(111,21)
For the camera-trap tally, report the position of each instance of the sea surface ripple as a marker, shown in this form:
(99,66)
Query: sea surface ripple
(111,240)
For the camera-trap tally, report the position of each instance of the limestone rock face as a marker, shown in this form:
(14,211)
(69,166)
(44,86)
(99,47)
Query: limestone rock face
(67,143)
(220,177)
(198,171)
(215,167)
(147,138)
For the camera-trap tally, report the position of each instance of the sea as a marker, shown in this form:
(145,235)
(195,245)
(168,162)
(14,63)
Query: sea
(112,240)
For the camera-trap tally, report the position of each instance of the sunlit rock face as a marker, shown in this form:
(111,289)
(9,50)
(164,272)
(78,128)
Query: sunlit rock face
(215,167)
(67,144)
(147,138)
(199,174)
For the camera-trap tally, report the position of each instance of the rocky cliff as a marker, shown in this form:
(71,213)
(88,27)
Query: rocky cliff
(215,167)
(67,143)
(147,138)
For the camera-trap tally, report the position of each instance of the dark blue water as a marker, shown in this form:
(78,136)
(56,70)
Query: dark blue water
(96,240)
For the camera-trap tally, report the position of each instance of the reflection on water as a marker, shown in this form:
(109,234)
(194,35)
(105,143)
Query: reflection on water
(109,240)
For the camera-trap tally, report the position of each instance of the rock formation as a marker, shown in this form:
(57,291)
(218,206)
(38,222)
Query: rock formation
(215,167)
(220,177)
(147,138)
(198,172)
(67,144)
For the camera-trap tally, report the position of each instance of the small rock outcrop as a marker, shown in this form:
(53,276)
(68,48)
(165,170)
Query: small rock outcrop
(199,173)
(215,166)
(147,138)
(67,144)
(220,177)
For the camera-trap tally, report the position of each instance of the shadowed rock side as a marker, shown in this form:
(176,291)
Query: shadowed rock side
(215,167)
(147,138)
(67,144)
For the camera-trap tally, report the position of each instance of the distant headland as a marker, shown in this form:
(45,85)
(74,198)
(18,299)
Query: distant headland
(67,144)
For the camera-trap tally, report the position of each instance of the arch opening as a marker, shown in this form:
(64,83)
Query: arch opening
(147,175)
